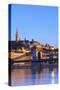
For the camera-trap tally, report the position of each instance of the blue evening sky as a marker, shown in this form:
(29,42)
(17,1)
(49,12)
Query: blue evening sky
(37,22)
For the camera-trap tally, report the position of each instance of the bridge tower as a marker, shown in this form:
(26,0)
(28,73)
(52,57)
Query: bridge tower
(33,53)
(39,55)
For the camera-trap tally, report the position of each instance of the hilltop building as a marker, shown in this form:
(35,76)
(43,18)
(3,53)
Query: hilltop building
(19,44)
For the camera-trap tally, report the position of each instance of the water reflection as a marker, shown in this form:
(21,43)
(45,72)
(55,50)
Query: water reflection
(34,74)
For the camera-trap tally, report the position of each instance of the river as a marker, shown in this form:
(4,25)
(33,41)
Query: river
(34,74)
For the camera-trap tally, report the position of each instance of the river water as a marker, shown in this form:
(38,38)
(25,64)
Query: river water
(34,74)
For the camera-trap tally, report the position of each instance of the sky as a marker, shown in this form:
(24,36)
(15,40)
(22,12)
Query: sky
(35,22)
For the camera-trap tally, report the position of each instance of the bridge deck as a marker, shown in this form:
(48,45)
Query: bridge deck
(35,61)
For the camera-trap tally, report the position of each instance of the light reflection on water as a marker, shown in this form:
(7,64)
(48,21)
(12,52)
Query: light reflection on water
(34,75)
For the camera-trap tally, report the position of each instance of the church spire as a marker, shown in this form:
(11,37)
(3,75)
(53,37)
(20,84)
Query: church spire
(17,35)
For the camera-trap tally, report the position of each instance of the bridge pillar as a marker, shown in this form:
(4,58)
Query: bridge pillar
(51,56)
